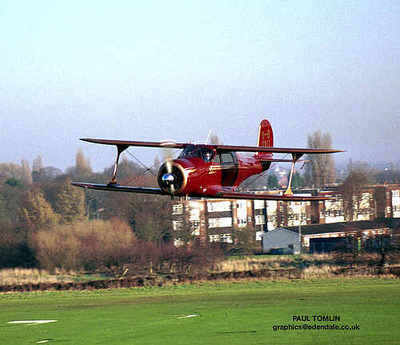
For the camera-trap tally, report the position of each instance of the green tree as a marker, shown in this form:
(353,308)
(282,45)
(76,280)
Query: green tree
(14,248)
(36,212)
(3,209)
(13,182)
(12,193)
(69,202)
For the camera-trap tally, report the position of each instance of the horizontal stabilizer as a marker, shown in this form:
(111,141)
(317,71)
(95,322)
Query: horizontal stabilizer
(251,196)
(277,160)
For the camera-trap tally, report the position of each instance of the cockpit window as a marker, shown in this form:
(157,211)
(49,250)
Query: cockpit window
(207,154)
(227,158)
(216,159)
(191,151)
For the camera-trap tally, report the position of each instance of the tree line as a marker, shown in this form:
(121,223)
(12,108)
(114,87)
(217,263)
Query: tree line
(38,202)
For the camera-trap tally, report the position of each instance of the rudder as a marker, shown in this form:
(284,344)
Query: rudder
(265,134)
(265,139)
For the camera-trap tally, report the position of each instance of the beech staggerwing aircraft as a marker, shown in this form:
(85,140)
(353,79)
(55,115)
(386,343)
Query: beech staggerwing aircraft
(212,171)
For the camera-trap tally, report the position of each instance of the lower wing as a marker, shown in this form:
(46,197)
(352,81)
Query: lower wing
(229,194)
(118,188)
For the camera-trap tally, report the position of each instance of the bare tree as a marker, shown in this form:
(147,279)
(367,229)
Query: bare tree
(26,172)
(320,170)
(351,189)
(82,168)
(37,164)
(156,164)
(82,164)
(37,168)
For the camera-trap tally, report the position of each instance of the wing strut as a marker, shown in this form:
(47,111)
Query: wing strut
(120,149)
(295,158)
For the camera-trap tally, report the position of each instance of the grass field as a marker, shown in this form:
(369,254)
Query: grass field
(209,313)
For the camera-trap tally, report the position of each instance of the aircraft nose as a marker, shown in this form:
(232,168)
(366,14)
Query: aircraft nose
(168,178)
(171,178)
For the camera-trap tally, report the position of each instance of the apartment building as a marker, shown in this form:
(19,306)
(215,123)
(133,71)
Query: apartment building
(217,220)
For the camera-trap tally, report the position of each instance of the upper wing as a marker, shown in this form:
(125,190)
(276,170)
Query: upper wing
(274,149)
(138,143)
(118,188)
(217,147)
(251,196)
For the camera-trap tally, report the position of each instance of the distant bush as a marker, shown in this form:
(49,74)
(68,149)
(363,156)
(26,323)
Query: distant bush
(84,245)
(14,249)
(112,246)
(189,259)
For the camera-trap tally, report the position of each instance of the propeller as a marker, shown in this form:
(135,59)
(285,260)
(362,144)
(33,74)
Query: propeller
(168,157)
(170,177)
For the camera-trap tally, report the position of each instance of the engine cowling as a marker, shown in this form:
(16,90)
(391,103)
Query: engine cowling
(171,178)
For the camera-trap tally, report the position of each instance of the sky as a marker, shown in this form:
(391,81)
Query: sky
(157,70)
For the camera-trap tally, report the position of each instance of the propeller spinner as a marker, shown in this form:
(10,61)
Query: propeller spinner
(171,178)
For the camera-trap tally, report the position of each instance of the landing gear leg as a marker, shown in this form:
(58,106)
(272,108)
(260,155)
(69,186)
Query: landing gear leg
(295,158)
(120,149)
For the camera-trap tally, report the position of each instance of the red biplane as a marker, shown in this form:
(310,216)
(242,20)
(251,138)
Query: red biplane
(211,171)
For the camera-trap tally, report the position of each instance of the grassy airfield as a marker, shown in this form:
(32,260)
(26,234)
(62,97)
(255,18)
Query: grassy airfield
(209,313)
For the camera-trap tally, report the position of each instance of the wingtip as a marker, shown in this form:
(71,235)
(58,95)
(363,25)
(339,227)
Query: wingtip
(79,184)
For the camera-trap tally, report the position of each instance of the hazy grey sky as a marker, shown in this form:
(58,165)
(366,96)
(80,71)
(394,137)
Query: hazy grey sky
(152,70)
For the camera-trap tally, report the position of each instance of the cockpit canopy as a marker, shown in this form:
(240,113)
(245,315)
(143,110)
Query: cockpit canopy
(193,151)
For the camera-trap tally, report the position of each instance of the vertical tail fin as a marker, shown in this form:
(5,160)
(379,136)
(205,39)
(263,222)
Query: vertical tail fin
(265,139)
(265,134)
